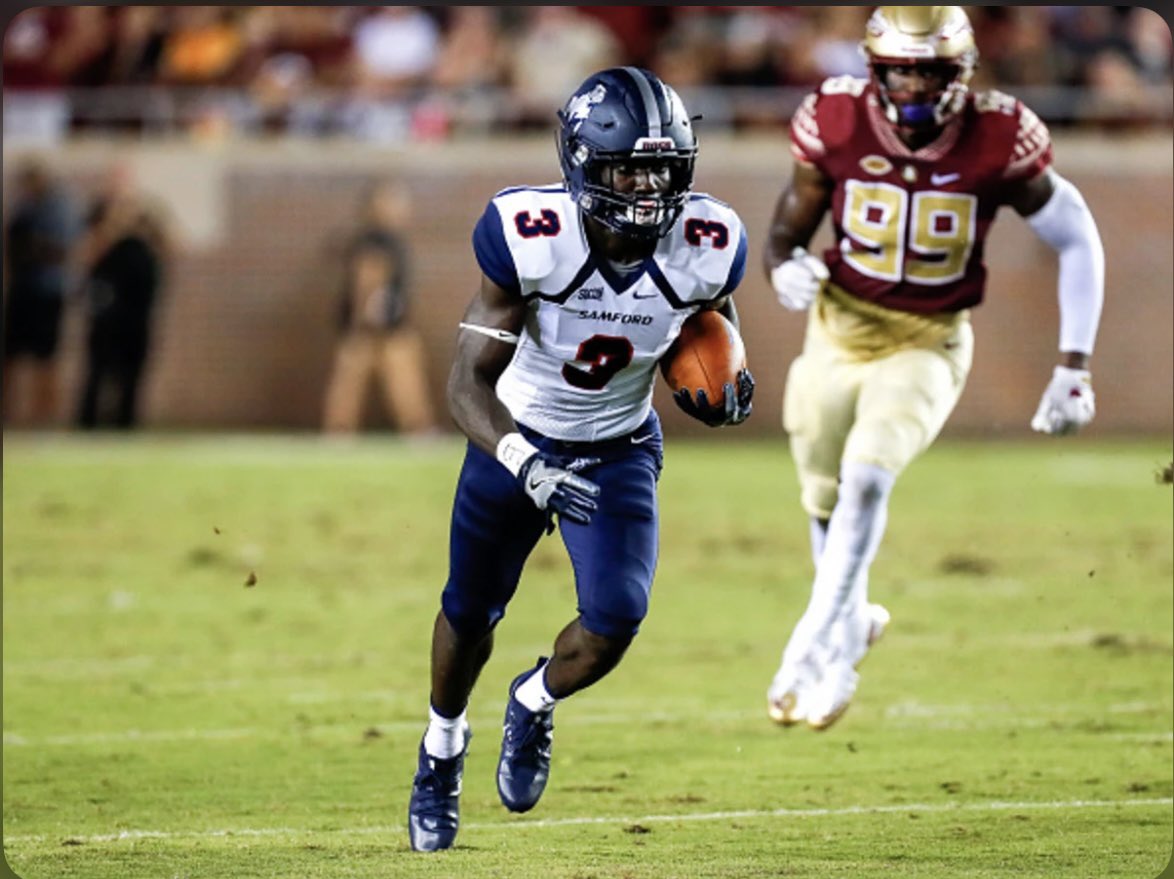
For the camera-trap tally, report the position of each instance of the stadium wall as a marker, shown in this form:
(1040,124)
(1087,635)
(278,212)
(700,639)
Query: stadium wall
(244,334)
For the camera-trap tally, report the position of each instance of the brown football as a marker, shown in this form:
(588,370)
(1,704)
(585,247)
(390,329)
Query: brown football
(708,353)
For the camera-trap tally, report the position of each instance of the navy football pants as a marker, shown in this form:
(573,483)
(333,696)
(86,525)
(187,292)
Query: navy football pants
(495,526)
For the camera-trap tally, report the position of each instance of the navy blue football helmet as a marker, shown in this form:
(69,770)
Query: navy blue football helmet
(626,114)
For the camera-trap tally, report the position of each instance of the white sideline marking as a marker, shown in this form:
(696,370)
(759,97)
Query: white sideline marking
(614,819)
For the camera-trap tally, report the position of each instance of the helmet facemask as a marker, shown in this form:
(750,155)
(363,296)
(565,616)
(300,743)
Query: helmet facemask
(935,108)
(645,215)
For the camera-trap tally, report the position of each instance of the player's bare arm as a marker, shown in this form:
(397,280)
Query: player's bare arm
(798,212)
(485,345)
(796,275)
(1031,195)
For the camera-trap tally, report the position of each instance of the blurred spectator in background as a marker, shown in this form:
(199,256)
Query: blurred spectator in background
(1151,43)
(471,55)
(1116,94)
(687,54)
(47,49)
(304,58)
(124,254)
(377,340)
(746,43)
(40,230)
(402,73)
(203,46)
(554,49)
(209,48)
(279,90)
(635,27)
(133,55)
(29,53)
(321,35)
(824,42)
(77,52)
(395,49)
(1021,51)
(469,67)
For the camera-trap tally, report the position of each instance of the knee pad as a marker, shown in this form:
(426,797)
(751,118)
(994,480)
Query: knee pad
(622,618)
(819,495)
(469,619)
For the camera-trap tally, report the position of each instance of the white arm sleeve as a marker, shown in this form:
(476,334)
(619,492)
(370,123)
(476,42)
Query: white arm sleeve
(1066,224)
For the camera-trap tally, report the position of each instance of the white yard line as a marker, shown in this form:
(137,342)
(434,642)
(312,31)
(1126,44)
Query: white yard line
(1055,805)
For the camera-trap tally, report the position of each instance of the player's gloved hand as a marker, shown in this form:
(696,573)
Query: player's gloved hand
(798,280)
(555,489)
(1068,403)
(735,407)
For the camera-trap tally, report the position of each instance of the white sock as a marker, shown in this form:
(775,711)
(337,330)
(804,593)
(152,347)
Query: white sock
(533,694)
(853,537)
(819,536)
(445,736)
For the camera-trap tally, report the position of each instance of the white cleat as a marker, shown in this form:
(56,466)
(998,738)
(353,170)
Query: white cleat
(786,700)
(837,686)
(787,709)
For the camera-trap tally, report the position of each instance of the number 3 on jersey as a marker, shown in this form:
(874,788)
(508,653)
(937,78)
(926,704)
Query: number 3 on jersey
(603,357)
(928,241)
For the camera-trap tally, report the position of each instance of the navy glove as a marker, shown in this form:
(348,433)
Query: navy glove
(554,489)
(736,407)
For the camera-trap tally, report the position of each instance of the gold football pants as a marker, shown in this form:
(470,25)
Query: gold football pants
(871,385)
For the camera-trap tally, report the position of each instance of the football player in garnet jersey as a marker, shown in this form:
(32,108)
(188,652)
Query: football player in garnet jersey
(585,285)
(912,167)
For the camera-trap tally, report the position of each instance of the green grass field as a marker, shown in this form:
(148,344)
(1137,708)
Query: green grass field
(162,719)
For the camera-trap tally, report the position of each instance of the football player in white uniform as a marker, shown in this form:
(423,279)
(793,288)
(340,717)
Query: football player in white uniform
(913,168)
(584,286)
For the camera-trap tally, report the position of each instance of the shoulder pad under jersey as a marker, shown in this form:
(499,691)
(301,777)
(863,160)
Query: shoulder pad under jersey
(826,117)
(1029,143)
(708,245)
(537,228)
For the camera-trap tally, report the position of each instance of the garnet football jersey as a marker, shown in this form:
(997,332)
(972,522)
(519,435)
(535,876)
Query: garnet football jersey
(586,362)
(910,225)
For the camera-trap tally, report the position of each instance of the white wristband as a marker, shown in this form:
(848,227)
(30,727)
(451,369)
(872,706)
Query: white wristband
(513,450)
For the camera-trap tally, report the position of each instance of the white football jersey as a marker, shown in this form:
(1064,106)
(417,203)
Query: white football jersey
(586,363)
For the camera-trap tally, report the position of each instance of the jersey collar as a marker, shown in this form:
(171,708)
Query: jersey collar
(883,129)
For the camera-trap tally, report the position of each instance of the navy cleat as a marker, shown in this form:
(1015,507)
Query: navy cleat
(434,810)
(525,751)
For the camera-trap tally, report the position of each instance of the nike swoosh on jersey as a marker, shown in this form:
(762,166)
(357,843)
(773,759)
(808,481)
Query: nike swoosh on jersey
(943,179)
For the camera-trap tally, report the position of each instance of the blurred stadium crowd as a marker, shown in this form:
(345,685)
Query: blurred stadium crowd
(405,73)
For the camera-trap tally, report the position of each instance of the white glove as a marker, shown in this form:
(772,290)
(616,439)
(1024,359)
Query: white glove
(798,281)
(1068,403)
